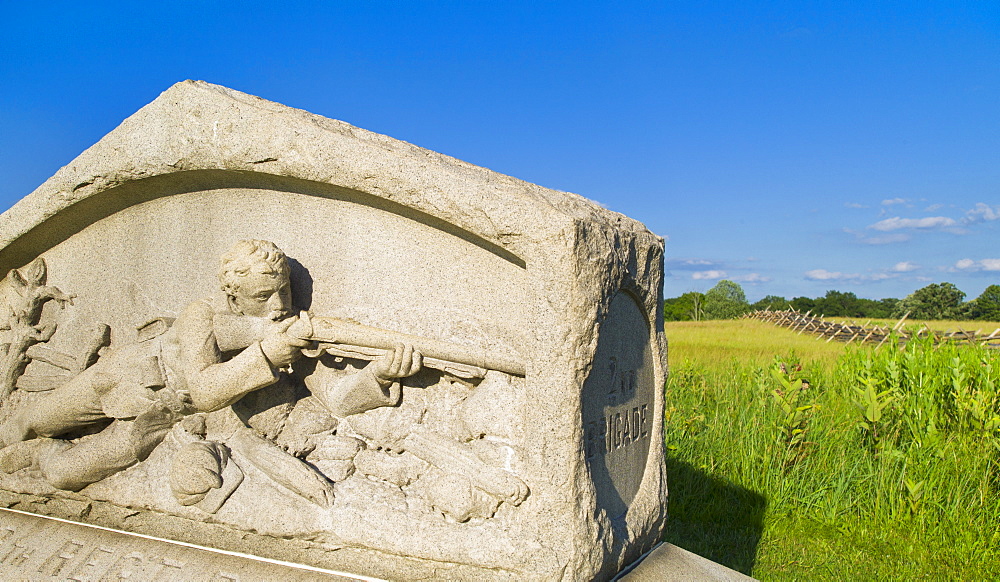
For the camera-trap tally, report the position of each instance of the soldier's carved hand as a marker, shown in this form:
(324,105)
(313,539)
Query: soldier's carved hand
(401,362)
(281,348)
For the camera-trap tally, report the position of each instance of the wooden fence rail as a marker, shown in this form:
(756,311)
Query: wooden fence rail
(849,332)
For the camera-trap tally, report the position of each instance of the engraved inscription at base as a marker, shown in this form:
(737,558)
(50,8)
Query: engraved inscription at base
(37,548)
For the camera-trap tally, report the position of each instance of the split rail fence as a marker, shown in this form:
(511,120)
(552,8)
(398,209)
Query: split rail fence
(850,332)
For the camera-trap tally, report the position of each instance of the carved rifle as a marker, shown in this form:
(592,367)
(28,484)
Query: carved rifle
(347,339)
(353,340)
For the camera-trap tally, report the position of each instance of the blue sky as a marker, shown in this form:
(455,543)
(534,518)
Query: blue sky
(794,147)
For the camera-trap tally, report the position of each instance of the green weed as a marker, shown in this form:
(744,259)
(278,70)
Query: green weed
(794,419)
(863,464)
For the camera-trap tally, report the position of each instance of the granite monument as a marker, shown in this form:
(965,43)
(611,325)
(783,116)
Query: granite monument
(243,326)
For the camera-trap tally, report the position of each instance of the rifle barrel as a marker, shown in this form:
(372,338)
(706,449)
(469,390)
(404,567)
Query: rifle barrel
(338,331)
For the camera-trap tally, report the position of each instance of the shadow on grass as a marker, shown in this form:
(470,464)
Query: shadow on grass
(713,518)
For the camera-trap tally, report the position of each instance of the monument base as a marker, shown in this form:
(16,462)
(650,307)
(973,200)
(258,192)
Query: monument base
(243,546)
(669,562)
(47,548)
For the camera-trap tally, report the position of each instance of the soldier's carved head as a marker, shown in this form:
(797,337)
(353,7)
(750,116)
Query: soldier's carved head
(254,276)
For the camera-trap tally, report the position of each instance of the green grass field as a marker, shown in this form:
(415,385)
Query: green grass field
(883,465)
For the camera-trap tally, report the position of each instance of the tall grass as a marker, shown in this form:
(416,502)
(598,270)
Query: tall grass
(745,342)
(853,463)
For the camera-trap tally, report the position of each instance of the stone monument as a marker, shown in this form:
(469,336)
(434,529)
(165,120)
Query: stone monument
(239,325)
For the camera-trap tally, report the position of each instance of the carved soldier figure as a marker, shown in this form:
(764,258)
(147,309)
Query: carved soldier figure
(204,362)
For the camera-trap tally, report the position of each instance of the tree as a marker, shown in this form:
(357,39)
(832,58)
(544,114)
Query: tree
(987,306)
(885,308)
(697,311)
(839,304)
(687,307)
(803,304)
(725,301)
(935,301)
(772,302)
(833,304)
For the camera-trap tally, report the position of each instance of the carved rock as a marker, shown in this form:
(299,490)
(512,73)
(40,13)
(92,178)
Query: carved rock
(400,470)
(25,296)
(526,446)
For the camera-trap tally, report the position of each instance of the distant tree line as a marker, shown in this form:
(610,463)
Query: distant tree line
(726,300)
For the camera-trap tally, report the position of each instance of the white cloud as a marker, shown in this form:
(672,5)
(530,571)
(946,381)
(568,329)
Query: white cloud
(690,264)
(982,212)
(700,275)
(904,267)
(981,265)
(752,278)
(854,205)
(891,201)
(934,207)
(882,239)
(886,239)
(896,223)
(824,275)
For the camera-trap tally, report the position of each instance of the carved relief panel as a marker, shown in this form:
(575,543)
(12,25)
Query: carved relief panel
(392,372)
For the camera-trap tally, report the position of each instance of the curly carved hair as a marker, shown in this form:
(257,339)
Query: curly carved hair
(248,256)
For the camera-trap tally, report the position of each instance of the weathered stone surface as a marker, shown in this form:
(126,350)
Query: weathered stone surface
(669,562)
(40,548)
(526,444)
